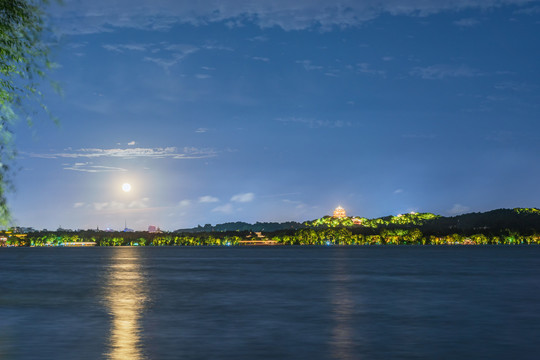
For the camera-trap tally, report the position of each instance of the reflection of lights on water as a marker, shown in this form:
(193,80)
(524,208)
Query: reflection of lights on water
(126,296)
(343,337)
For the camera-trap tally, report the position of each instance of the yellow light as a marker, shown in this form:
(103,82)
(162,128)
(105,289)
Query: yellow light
(125,297)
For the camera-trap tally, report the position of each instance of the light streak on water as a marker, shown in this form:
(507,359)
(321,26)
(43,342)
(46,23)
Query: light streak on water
(126,298)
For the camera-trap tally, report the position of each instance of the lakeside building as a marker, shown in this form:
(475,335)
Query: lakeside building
(23,230)
(6,236)
(340,213)
(126,229)
(152,229)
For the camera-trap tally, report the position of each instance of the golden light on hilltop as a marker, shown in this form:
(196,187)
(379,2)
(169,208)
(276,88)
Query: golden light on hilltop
(340,212)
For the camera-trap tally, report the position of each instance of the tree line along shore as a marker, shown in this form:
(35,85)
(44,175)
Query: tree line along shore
(497,227)
(334,236)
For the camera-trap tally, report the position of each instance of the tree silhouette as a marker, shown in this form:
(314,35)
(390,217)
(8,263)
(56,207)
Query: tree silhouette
(24,58)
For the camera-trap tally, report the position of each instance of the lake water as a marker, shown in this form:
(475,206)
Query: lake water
(431,302)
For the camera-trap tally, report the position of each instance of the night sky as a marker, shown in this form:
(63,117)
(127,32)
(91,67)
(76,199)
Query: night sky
(218,111)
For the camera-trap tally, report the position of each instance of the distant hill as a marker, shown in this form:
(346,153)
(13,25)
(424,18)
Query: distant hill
(399,220)
(243,226)
(497,227)
(519,219)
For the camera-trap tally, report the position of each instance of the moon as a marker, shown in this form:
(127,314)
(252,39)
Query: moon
(126,187)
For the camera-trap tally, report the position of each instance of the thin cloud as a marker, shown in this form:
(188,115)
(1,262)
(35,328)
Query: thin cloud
(226,209)
(77,45)
(184,49)
(418,136)
(467,22)
(109,206)
(98,206)
(295,203)
(114,206)
(175,53)
(120,48)
(260,58)
(138,204)
(184,203)
(458,209)
(87,167)
(529,11)
(279,195)
(131,153)
(89,16)
(513,85)
(246,197)
(131,143)
(208,199)
(442,71)
(365,68)
(314,123)
(258,38)
(216,46)
(203,76)
(501,136)
(308,65)
(165,63)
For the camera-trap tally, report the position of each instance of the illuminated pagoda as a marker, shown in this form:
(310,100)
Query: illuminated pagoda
(340,212)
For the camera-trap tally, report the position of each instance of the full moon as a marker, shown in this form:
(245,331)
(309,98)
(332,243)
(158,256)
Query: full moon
(126,187)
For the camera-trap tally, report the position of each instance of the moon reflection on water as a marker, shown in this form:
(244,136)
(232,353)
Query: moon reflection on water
(126,298)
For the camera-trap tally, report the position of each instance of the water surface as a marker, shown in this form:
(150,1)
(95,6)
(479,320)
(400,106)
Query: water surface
(270,303)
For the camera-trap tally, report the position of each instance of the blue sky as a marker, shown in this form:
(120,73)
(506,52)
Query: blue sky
(278,110)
